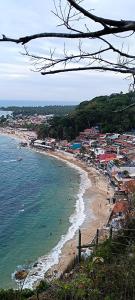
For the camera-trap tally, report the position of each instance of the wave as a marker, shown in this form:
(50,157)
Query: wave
(9,160)
(44,263)
(21,210)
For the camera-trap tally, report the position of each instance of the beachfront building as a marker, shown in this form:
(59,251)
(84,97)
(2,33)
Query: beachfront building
(119,214)
(89,133)
(106,157)
(43,145)
(122,176)
(98,151)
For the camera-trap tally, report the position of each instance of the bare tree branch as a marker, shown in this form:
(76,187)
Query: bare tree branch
(95,34)
(51,61)
(117,50)
(102,21)
(119,61)
(117,70)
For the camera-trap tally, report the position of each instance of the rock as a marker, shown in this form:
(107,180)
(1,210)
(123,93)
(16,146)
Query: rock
(35,265)
(21,275)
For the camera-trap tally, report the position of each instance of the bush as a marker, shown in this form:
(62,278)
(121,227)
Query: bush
(9,294)
(26,293)
(43,286)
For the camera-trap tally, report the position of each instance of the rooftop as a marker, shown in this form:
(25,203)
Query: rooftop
(121,206)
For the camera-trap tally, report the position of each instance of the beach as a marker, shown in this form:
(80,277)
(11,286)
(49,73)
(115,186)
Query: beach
(92,207)
(96,209)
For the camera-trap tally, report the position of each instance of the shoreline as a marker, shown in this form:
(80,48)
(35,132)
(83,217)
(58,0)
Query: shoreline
(95,213)
(47,264)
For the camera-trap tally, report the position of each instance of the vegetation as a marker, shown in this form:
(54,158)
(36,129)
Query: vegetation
(2,120)
(106,112)
(58,110)
(15,295)
(126,173)
(109,274)
(20,294)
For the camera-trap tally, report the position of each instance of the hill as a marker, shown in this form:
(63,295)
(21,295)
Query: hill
(58,110)
(106,112)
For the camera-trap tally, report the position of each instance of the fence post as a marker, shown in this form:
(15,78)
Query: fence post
(79,247)
(111,232)
(97,237)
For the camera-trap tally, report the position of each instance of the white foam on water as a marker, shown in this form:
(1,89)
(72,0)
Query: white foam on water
(9,161)
(44,263)
(21,210)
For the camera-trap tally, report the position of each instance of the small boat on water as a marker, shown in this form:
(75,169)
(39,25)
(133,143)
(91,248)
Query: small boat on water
(23,144)
(19,158)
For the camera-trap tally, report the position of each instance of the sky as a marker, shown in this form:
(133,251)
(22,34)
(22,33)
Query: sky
(18,81)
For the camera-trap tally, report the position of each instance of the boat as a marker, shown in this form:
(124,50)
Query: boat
(23,144)
(19,158)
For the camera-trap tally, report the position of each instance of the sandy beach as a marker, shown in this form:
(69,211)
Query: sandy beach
(97,210)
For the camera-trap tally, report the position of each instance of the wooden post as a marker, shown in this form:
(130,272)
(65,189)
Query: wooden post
(79,247)
(97,237)
(110,232)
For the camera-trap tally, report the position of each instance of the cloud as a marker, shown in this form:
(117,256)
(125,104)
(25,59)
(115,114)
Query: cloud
(26,17)
(13,70)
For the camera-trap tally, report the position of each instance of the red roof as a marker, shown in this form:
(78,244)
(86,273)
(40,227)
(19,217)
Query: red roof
(107,156)
(129,186)
(102,134)
(120,206)
(125,143)
(124,151)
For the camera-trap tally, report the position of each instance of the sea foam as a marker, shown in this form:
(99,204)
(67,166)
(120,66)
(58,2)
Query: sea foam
(44,263)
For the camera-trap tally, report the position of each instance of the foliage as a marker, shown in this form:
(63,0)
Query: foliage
(11,294)
(43,286)
(2,120)
(100,111)
(59,110)
(112,279)
(42,131)
(116,162)
(126,173)
(133,199)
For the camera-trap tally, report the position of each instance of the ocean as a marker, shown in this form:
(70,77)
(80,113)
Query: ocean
(41,207)
(20,103)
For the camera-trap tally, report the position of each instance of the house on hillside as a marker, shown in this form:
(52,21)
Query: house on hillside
(89,133)
(98,151)
(106,157)
(119,214)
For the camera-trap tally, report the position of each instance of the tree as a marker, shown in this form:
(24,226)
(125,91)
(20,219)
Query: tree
(43,131)
(78,24)
(126,173)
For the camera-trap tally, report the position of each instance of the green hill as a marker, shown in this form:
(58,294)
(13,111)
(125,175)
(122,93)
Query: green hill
(107,112)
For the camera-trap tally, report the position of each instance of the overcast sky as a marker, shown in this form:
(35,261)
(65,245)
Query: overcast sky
(18,82)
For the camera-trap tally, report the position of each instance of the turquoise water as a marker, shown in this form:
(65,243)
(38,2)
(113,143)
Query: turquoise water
(37,197)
